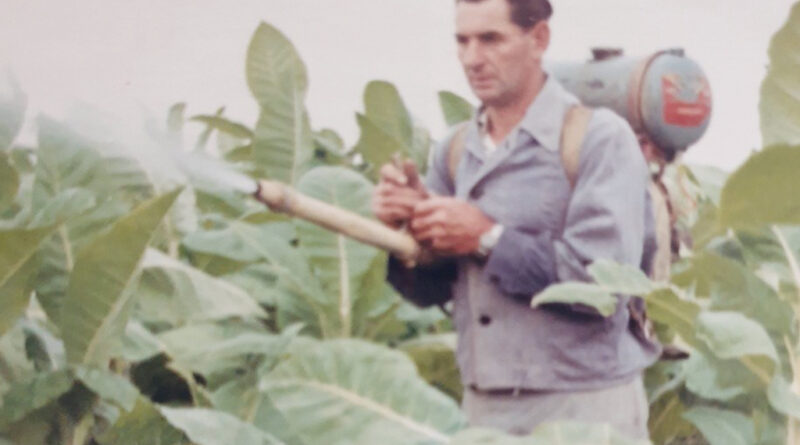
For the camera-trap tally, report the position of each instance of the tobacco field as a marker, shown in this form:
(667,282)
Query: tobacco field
(148,301)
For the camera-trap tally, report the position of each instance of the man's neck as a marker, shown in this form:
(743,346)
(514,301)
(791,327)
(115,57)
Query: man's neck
(503,118)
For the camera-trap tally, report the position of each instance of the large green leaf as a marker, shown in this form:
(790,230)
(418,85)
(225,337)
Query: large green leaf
(175,293)
(17,270)
(435,358)
(25,397)
(143,425)
(226,126)
(780,91)
(96,308)
(386,128)
(731,335)
(211,427)
(242,398)
(340,263)
(208,348)
(109,386)
(735,288)
(12,113)
(283,142)
(298,292)
(610,279)
(715,379)
(350,391)
(587,294)
(722,427)
(770,173)
(455,108)
(66,162)
(9,181)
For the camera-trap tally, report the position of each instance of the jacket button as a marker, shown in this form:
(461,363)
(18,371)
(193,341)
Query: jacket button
(485,320)
(476,193)
(494,279)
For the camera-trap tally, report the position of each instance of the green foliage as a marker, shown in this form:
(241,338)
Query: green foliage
(387,129)
(780,91)
(455,108)
(282,141)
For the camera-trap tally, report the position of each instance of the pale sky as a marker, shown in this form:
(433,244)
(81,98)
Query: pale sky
(125,56)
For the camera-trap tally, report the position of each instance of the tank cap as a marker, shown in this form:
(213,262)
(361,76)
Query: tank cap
(604,53)
(675,52)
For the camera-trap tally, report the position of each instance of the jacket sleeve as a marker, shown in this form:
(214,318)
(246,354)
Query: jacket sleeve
(605,217)
(426,285)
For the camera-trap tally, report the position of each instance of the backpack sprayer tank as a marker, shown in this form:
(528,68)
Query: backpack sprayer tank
(665,96)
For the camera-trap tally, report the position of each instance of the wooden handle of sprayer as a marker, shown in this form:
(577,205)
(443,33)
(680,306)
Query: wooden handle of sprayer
(282,198)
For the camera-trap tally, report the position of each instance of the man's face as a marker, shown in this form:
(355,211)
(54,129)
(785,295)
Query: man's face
(499,58)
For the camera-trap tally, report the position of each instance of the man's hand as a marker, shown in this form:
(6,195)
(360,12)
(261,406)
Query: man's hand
(449,226)
(397,193)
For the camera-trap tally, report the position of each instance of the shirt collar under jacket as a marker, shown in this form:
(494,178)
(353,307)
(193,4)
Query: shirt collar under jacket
(544,118)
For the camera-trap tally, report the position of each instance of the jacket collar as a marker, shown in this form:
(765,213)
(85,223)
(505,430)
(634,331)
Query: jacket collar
(544,118)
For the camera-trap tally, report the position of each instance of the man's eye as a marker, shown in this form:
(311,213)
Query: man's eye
(489,38)
(461,40)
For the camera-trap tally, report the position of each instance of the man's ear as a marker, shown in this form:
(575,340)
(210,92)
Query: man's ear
(541,37)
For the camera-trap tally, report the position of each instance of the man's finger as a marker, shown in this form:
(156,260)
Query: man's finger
(428,206)
(430,234)
(390,173)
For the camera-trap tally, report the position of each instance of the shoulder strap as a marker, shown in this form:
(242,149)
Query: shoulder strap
(456,149)
(576,122)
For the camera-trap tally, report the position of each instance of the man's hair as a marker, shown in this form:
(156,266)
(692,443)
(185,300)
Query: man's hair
(525,13)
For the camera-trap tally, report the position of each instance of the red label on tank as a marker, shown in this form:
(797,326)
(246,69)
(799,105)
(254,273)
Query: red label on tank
(687,102)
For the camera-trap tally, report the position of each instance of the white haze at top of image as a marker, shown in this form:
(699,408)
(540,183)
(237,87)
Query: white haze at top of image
(128,57)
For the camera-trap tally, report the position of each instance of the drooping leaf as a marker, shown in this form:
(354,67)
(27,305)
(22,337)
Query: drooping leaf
(25,397)
(96,308)
(621,278)
(768,173)
(12,113)
(175,117)
(175,293)
(588,294)
(435,358)
(109,386)
(9,181)
(780,91)
(210,427)
(733,287)
(666,421)
(242,398)
(143,425)
(783,398)
(69,167)
(208,348)
(731,335)
(455,108)
(283,143)
(340,263)
(139,344)
(224,125)
(17,271)
(349,391)
(721,427)
(715,379)
(668,307)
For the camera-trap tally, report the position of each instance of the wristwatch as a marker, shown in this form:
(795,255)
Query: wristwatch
(488,240)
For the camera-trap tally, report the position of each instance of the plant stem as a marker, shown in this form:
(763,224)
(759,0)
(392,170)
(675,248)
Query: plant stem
(792,426)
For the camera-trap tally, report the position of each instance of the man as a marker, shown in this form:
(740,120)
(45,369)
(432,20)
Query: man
(508,223)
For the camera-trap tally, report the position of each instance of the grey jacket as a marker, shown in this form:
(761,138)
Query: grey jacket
(552,233)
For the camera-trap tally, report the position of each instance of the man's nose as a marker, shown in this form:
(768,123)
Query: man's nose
(471,55)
